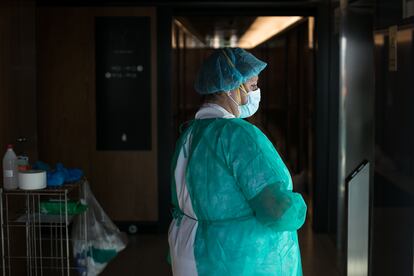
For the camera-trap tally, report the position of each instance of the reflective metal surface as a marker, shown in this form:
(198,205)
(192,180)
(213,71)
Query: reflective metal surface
(356,108)
(358,221)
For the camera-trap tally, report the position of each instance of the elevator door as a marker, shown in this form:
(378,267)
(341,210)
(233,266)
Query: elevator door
(356,114)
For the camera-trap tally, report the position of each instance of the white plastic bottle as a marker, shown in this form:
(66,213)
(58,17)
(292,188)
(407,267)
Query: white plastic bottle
(10,169)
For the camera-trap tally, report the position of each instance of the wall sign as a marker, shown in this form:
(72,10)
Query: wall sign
(123,83)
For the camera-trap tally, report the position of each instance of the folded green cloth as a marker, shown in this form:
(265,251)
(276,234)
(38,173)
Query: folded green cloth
(54,207)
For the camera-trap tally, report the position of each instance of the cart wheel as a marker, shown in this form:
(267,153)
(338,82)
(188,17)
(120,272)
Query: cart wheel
(132,229)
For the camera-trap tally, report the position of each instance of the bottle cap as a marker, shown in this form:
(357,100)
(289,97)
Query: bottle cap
(9,146)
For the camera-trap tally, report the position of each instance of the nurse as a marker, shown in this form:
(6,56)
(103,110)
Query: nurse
(234,209)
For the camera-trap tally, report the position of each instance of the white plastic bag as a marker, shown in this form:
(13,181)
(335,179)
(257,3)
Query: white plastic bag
(95,238)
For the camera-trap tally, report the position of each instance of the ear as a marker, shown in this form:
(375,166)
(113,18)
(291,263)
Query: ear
(244,87)
(236,93)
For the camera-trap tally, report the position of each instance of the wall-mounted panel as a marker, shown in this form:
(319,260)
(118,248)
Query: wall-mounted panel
(123,83)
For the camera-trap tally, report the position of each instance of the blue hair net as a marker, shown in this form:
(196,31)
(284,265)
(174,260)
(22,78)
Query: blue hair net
(226,69)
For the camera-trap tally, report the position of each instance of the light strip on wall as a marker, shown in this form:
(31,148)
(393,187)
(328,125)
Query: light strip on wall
(265,27)
(192,41)
(311,27)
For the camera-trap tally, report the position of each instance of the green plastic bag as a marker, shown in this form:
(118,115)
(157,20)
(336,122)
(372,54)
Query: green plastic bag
(55,207)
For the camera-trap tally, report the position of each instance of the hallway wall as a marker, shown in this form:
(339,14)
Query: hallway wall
(18,77)
(124,182)
(17,95)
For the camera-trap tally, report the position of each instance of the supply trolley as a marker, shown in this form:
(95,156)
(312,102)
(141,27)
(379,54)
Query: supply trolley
(35,230)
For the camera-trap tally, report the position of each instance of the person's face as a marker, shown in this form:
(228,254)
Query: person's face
(249,85)
(241,97)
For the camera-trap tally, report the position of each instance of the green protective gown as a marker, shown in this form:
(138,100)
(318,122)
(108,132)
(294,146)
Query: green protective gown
(241,193)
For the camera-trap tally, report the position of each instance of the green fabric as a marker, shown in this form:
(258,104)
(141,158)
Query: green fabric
(54,207)
(101,256)
(169,258)
(241,192)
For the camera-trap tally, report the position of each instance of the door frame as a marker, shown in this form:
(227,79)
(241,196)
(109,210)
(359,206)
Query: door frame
(326,108)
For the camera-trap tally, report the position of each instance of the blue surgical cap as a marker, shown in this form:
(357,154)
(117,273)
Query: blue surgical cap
(226,69)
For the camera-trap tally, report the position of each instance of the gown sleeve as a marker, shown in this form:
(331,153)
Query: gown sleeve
(282,210)
(264,179)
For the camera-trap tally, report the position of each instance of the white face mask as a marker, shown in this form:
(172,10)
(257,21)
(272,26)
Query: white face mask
(252,105)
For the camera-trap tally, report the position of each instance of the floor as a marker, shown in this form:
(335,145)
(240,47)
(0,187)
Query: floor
(319,255)
(146,255)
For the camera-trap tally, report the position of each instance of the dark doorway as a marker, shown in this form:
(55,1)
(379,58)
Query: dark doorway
(286,113)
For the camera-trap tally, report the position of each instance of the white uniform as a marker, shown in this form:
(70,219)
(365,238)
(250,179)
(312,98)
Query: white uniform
(181,237)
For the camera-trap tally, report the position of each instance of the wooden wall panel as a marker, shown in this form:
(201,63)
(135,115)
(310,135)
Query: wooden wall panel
(17,77)
(125,183)
(17,95)
(5,84)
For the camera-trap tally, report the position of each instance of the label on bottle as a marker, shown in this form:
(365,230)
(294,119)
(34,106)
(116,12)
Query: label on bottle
(8,173)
